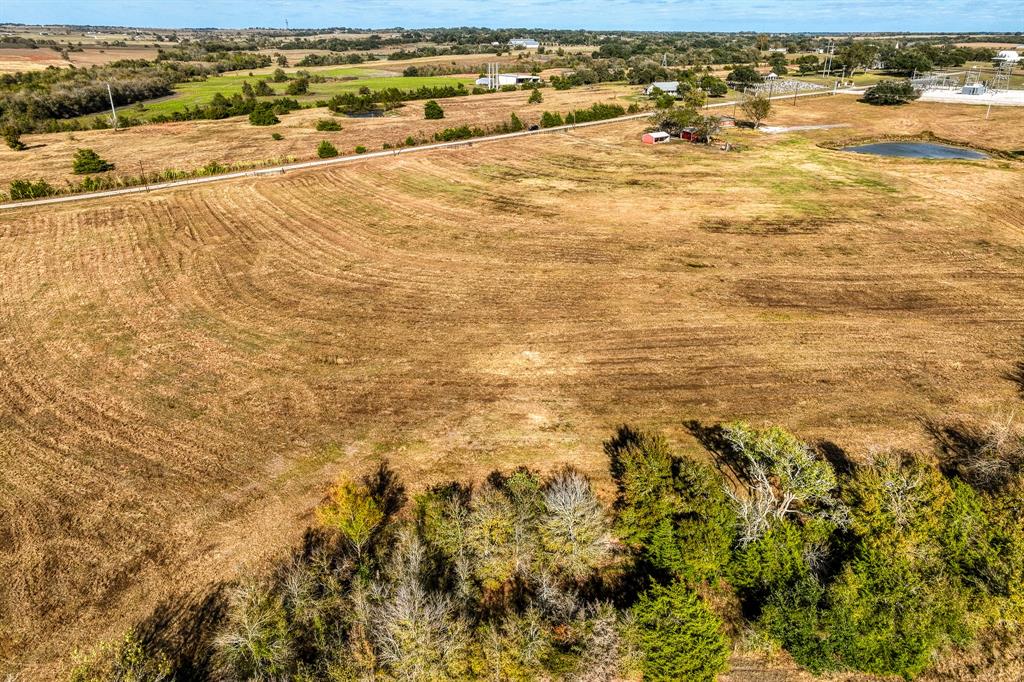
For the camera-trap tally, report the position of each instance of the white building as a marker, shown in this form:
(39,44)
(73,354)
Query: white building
(1007,57)
(667,87)
(528,43)
(508,79)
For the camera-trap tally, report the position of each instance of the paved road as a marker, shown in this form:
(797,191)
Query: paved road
(279,170)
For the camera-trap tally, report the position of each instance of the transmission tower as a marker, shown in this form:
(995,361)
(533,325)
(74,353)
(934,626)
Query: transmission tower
(830,51)
(1001,81)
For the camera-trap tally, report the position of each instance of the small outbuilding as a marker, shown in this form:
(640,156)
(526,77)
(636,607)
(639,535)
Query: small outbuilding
(771,76)
(688,133)
(727,122)
(657,137)
(973,89)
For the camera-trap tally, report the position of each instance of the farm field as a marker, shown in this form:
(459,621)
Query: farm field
(14,59)
(191,144)
(185,372)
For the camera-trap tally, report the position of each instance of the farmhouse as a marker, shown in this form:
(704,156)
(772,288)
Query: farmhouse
(657,137)
(668,87)
(528,43)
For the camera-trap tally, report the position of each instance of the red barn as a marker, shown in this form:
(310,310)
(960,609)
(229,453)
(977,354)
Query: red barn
(657,137)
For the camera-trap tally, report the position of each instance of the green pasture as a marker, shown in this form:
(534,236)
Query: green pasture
(349,79)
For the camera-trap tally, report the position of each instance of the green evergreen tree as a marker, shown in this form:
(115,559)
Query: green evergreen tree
(87,161)
(326,150)
(432,111)
(679,637)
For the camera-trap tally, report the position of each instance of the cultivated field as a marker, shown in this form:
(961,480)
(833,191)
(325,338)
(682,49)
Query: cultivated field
(184,372)
(14,59)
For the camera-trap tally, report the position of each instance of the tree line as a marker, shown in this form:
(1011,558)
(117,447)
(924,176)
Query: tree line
(874,566)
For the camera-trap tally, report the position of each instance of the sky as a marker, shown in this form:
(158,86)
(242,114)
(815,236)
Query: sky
(680,15)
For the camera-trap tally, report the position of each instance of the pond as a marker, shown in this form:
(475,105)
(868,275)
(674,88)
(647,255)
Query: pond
(373,113)
(916,150)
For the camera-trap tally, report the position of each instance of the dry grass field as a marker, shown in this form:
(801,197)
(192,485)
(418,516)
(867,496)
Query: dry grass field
(14,59)
(192,144)
(185,372)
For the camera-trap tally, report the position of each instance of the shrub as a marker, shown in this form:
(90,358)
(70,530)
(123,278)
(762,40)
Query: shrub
(535,97)
(126,659)
(12,136)
(263,89)
(665,101)
(26,189)
(88,161)
(891,92)
(410,141)
(550,120)
(432,110)
(327,125)
(326,150)
(678,636)
(360,149)
(299,86)
(263,115)
(279,76)
(276,136)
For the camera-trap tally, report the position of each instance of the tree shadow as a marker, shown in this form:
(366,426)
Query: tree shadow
(725,457)
(1016,375)
(970,452)
(836,456)
(183,627)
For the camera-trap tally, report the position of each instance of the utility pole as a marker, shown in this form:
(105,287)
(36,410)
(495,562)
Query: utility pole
(113,111)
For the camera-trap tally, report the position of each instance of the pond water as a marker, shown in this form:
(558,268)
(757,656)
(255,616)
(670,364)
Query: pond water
(916,150)
(375,113)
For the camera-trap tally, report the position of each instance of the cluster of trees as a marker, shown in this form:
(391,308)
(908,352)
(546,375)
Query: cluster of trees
(237,105)
(464,132)
(596,112)
(331,59)
(44,101)
(891,92)
(367,100)
(871,567)
(688,79)
(226,61)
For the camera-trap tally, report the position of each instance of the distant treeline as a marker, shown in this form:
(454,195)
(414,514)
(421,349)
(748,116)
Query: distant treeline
(41,101)
(879,566)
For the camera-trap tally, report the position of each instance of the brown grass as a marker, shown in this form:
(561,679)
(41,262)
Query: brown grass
(185,372)
(192,144)
(24,59)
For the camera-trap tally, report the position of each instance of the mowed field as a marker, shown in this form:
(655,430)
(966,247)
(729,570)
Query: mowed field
(191,144)
(184,373)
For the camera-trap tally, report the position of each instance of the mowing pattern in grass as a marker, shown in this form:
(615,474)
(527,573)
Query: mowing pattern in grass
(175,366)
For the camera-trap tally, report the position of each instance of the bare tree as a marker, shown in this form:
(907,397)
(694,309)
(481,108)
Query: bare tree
(417,633)
(783,477)
(574,528)
(605,651)
(255,644)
